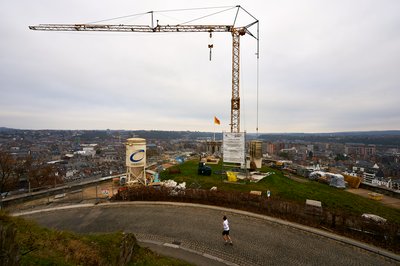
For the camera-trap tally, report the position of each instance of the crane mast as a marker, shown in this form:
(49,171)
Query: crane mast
(235,31)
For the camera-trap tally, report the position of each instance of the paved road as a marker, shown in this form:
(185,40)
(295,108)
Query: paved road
(256,241)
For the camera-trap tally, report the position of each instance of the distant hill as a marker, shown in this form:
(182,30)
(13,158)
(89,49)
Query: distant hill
(6,129)
(385,137)
(156,134)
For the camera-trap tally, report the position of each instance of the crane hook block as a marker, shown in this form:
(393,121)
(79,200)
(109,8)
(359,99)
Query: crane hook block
(210,46)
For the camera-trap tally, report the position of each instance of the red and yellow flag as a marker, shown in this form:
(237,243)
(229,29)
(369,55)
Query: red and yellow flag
(216,121)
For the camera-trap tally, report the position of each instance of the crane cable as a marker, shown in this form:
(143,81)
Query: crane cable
(126,16)
(227,8)
(193,8)
(170,10)
(258,72)
(212,14)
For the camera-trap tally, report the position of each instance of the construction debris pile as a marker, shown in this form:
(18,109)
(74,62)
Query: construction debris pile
(175,188)
(334,180)
(252,176)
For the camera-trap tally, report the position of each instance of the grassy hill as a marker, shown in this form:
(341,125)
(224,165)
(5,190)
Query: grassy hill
(284,188)
(23,242)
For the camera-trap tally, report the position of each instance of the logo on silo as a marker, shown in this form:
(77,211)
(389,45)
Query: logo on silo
(137,156)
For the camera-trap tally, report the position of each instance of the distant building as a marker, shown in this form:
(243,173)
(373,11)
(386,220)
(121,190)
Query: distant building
(368,171)
(87,150)
(273,147)
(360,151)
(214,147)
(111,156)
(270,148)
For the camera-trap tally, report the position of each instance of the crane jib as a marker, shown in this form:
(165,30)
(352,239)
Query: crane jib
(134,28)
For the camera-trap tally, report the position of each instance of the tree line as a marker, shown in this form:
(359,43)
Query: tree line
(23,172)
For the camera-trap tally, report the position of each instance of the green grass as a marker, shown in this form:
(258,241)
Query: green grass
(145,257)
(41,246)
(288,189)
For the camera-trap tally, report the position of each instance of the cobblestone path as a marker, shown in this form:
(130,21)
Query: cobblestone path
(256,241)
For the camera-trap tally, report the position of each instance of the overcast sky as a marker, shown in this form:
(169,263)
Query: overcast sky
(325,66)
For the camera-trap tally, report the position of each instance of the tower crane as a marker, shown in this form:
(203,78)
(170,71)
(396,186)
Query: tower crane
(236,32)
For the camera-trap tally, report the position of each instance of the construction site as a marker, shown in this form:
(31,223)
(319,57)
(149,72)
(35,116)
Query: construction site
(234,153)
(235,172)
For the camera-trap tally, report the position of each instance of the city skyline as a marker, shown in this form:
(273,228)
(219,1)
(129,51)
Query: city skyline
(324,67)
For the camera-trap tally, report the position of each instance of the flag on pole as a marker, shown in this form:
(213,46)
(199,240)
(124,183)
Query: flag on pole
(216,121)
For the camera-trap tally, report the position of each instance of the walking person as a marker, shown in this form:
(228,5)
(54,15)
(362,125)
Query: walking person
(225,233)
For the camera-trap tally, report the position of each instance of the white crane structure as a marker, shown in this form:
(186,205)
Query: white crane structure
(235,31)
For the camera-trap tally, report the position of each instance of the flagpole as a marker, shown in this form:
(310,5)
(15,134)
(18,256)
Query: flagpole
(214,131)
(216,121)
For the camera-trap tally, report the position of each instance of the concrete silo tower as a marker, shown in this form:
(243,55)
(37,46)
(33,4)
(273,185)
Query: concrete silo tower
(256,152)
(136,161)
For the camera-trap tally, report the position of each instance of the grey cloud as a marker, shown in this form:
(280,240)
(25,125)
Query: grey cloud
(324,66)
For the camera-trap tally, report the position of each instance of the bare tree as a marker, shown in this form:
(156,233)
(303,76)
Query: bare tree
(43,175)
(7,177)
(22,167)
(37,173)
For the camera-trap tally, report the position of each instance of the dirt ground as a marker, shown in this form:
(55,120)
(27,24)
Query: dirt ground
(389,201)
(104,191)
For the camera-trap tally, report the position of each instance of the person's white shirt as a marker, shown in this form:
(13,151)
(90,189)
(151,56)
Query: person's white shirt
(226,225)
